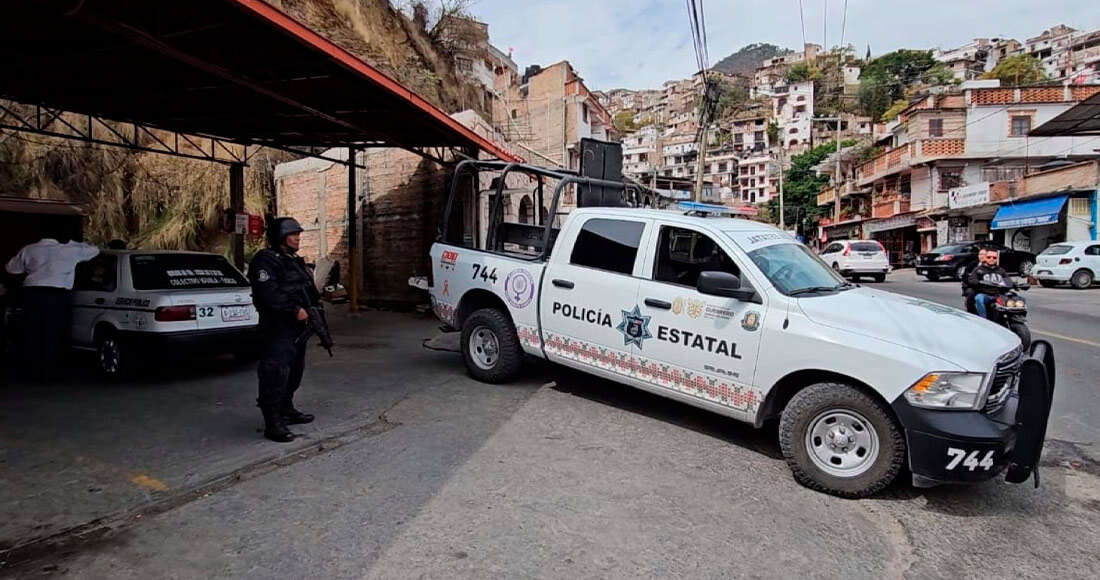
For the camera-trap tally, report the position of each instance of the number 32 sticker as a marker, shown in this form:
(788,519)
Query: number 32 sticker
(968,460)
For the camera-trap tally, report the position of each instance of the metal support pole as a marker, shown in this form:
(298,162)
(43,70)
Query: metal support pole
(236,204)
(353,238)
(836,180)
(782,220)
(702,149)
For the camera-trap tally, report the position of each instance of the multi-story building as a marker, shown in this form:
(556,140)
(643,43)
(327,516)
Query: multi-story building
(641,151)
(793,110)
(851,127)
(681,154)
(549,112)
(772,73)
(720,167)
(756,178)
(979,56)
(954,156)
(749,132)
(1068,54)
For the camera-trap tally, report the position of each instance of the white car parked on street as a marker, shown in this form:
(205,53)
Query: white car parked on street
(855,258)
(1076,263)
(129,304)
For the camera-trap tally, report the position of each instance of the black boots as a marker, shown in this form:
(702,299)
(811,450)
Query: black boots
(293,416)
(275,427)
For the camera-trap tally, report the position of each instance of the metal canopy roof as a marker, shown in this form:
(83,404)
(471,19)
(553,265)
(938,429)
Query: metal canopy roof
(239,70)
(1081,119)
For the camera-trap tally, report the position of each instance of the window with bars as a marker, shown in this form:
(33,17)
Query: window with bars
(1021,124)
(950,177)
(935,127)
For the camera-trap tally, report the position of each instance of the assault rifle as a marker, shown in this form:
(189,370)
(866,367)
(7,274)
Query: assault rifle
(316,324)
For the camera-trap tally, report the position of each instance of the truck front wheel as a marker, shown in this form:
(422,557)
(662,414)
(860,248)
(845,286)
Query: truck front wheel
(841,441)
(490,346)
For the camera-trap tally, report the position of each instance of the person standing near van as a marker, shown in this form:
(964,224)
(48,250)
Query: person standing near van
(50,267)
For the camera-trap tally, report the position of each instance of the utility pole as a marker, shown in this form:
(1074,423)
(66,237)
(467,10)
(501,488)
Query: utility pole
(782,222)
(701,162)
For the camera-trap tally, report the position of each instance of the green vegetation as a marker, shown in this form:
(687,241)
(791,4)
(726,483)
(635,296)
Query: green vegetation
(801,184)
(624,121)
(893,76)
(894,110)
(802,72)
(1022,69)
(748,58)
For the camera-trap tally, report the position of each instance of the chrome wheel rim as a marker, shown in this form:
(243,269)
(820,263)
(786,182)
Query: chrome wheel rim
(109,356)
(960,272)
(484,347)
(1025,267)
(842,443)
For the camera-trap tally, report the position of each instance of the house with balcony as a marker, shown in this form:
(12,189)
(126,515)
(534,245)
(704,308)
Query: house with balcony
(975,138)
(843,221)
(641,151)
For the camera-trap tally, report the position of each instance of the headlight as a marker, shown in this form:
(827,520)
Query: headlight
(947,391)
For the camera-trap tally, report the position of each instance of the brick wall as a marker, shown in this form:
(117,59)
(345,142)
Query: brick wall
(401,198)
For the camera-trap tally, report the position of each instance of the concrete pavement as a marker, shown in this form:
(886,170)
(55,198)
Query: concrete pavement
(430,474)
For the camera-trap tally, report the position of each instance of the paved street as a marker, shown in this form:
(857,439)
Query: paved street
(1070,320)
(561,475)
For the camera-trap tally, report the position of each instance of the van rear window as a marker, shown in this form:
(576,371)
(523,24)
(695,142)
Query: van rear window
(183,272)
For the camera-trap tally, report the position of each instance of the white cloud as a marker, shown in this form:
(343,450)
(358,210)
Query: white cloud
(641,43)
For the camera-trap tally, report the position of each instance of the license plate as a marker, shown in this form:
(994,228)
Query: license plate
(235,313)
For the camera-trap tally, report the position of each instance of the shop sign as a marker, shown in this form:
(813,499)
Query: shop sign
(899,221)
(968,196)
(680,194)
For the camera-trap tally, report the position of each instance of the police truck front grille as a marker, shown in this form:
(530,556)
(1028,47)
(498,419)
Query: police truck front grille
(1001,389)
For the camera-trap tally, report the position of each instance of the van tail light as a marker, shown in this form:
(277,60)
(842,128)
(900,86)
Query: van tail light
(847,250)
(174,313)
(1065,261)
(945,258)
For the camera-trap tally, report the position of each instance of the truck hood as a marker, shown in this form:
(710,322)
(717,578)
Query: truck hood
(933,329)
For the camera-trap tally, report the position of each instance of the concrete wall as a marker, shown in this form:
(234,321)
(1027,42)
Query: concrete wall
(988,128)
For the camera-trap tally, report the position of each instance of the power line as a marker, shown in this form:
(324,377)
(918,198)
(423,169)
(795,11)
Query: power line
(802,20)
(843,24)
(825,26)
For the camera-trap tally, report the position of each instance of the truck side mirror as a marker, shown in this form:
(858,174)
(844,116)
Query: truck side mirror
(725,284)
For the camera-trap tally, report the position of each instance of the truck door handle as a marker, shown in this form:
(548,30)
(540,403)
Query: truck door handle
(563,283)
(658,303)
(99,301)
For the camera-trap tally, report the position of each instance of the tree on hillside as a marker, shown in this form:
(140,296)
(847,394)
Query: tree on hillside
(894,110)
(802,71)
(887,78)
(1022,69)
(624,121)
(733,96)
(801,184)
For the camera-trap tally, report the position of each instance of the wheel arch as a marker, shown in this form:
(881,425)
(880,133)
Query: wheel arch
(787,387)
(475,300)
(102,327)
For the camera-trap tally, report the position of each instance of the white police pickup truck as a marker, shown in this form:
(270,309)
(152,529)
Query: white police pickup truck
(738,318)
(127,305)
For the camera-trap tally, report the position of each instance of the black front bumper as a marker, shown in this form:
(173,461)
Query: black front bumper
(972,446)
(943,269)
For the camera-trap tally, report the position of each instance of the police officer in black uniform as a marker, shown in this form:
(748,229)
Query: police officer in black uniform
(281,285)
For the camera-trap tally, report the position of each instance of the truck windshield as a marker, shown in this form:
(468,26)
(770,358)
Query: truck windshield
(795,270)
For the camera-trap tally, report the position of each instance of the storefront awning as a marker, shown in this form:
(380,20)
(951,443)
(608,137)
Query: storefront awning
(1029,213)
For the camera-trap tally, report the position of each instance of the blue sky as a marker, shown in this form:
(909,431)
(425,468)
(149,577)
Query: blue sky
(641,43)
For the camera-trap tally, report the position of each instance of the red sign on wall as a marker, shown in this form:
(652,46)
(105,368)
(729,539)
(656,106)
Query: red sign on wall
(255,225)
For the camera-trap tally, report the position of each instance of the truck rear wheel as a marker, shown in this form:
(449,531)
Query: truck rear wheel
(841,441)
(490,346)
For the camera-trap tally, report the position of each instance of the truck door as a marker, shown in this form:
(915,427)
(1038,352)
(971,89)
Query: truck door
(587,309)
(703,346)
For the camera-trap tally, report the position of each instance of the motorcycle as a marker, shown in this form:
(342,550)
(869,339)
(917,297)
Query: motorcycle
(1007,308)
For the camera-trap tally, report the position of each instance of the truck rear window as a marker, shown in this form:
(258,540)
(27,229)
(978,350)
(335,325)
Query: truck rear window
(1057,250)
(608,245)
(183,271)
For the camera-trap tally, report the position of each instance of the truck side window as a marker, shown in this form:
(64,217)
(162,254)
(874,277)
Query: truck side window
(608,245)
(683,254)
(98,274)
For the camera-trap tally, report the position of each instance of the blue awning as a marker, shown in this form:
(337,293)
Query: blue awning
(1026,214)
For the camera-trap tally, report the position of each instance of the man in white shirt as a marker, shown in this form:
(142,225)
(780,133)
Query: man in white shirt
(50,267)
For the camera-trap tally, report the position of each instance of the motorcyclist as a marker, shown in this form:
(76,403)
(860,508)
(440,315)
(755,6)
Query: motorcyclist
(281,286)
(988,271)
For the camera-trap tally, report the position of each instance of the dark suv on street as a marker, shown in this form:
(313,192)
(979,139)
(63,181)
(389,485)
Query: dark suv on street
(955,260)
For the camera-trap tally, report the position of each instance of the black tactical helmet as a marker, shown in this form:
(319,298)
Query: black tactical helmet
(280,229)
